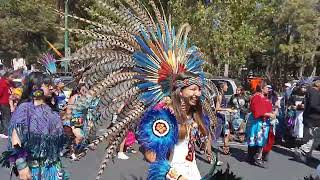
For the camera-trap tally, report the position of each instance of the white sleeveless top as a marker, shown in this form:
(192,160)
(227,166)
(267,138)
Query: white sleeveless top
(184,159)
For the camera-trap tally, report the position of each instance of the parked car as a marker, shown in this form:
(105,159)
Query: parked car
(232,85)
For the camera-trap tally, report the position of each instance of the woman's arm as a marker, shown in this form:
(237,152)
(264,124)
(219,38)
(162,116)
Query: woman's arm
(218,105)
(21,164)
(15,139)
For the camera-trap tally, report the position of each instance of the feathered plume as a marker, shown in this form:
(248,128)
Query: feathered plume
(132,59)
(49,62)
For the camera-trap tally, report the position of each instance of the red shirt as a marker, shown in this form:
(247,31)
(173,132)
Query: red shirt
(260,105)
(4,91)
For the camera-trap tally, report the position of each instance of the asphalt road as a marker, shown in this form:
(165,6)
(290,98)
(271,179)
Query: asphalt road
(281,166)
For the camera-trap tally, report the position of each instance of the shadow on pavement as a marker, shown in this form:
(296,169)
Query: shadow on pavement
(283,151)
(133,177)
(312,162)
(201,158)
(239,154)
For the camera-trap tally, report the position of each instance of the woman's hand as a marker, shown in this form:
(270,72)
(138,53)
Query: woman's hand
(25,174)
(173,175)
(150,156)
(231,110)
(271,115)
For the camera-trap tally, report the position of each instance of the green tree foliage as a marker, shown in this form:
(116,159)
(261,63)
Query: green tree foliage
(227,31)
(24,26)
(298,25)
(276,38)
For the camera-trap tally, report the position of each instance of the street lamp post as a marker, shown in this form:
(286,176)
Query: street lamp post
(66,37)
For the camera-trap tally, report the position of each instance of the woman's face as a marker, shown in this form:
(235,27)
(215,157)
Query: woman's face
(238,91)
(46,89)
(191,94)
(225,87)
(265,90)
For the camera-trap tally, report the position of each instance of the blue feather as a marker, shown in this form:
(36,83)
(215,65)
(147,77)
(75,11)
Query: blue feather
(173,37)
(146,85)
(144,34)
(139,70)
(168,37)
(142,59)
(148,97)
(150,141)
(158,170)
(159,34)
(161,39)
(185,41)
(143,45)
(153,35)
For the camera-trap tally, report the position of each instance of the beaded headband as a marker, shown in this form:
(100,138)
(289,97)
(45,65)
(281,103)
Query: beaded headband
(188,82)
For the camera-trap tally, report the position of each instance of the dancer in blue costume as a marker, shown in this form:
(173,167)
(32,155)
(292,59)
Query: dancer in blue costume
(35,134)
(80,120)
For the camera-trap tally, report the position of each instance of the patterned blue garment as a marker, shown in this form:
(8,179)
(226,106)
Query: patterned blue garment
(257,131)
(41,134)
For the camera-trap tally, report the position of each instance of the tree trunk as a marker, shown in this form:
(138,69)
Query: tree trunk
(301,69)
(313,64)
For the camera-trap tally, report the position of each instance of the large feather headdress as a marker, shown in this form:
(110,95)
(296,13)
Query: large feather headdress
(133,62)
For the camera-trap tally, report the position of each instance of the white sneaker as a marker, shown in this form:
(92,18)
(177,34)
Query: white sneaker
(219,163)
(73,156)
(122,155)
(3,136)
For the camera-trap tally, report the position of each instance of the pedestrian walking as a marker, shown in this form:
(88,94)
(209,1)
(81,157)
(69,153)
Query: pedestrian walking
(296,102)
(259,124)
(311,122)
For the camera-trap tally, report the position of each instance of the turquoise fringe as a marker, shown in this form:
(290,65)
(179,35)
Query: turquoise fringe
(43,148)
(50,172)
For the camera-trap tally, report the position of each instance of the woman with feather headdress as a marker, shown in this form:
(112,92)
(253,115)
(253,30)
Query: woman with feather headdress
(140,59)
(186,118)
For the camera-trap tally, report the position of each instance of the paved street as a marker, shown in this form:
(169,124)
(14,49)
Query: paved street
(281,166)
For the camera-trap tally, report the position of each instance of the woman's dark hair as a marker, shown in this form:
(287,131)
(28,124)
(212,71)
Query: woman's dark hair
(180,115)
(260,86)
(221,85)
(77,89)
(33,81)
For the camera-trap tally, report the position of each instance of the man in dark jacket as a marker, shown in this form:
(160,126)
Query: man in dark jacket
(311,121)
